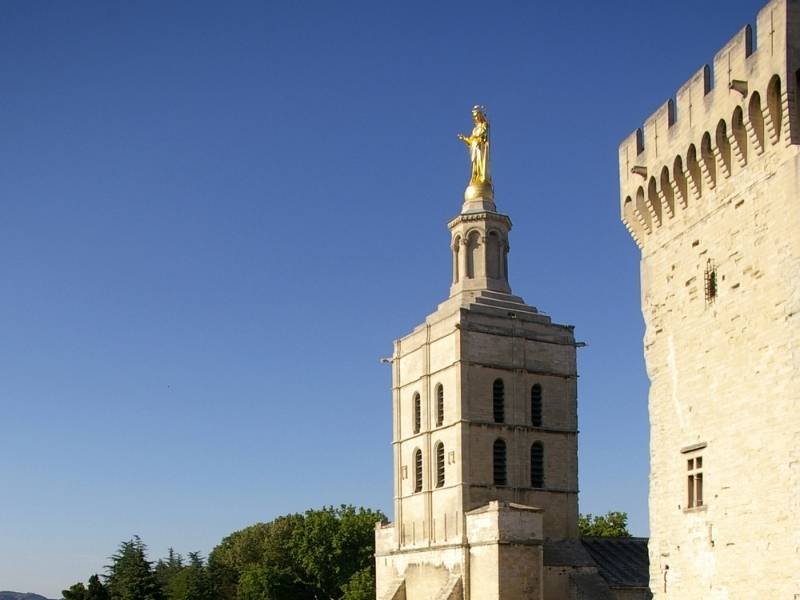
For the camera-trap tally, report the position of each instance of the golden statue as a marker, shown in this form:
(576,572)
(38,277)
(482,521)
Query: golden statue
(478,144)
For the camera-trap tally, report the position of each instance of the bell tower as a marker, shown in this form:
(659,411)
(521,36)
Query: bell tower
(484,403)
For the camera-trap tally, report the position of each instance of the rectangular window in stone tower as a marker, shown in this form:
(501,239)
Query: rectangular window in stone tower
(694,482)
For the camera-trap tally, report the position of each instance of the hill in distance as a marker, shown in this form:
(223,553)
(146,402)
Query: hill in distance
(20,596)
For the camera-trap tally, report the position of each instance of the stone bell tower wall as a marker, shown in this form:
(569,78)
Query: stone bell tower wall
(710,192)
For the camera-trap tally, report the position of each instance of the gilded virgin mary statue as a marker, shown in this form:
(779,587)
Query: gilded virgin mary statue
(478,144)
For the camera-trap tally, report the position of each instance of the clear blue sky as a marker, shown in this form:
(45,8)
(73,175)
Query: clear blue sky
(216,217)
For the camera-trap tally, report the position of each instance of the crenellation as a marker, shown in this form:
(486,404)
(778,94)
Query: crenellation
(720,121)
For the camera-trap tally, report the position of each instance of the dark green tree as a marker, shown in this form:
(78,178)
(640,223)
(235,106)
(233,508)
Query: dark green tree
(75,592)
(361,585)
(612,524)
(130,575)
(96,589)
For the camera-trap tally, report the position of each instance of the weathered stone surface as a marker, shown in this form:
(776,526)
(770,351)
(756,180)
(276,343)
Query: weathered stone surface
(717,219)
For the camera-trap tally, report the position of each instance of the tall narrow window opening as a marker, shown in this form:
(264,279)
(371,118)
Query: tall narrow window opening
(537,465)
(710,281)
(694,467)
(417,413)
(499,463)
(536,405)
(498,401)
(417,470)
(439,405)
(439,465)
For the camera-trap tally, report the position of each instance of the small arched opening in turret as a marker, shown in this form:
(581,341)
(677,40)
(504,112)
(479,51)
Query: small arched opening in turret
(417,470)
(774,106)
(739,133)
(756,117)
(680,180)
(654,201)
(456,257)
(709,161)
(473,242)
(494,256)
(666,190)
(693,168)
(724,145)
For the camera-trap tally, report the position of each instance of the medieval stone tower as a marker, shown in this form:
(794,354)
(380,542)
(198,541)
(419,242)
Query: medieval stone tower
(710,192)
(485,434)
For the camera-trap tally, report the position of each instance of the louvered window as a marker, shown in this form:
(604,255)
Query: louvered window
(537,465)
(498,401)
(417,470)
(417,413)
(439,405)
(499,456)
(536,405)
(439,465)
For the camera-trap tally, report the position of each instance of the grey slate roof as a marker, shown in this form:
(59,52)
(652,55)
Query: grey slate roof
(623,562)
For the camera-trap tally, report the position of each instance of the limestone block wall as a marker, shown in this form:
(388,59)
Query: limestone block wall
(709,192)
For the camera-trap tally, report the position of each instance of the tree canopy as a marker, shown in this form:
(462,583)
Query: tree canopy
(325,553)
(612,524)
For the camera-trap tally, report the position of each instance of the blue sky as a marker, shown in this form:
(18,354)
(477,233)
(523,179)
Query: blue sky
(216,217)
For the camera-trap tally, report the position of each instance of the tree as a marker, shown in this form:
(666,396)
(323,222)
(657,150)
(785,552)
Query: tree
(314,555)
(131,576)
(96,589)
(75,592)
(361,585)
(612,524)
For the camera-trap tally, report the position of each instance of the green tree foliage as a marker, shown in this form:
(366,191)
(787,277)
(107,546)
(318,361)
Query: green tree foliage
(95,591)
(361,586)
(130,575)
(612,524)
(314,555)
(75,592)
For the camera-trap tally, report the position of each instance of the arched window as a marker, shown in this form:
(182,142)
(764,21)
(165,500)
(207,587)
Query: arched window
(774,105)
(537,465)
(439,405)
(439,465)
(499,462)
(456,265)
(493,256)
(536,405)
(417,413)
(417,470)
(756,116)
(473,241)
(498,401)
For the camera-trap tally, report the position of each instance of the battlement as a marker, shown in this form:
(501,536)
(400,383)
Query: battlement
(724,118)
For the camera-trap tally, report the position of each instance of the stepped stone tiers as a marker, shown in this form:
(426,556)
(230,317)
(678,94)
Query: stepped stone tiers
(710,192)
(484,411)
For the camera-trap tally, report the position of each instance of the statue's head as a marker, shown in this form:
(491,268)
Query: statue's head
(479,114)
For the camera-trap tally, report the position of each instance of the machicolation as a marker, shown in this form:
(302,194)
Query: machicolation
(717,126)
